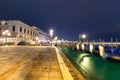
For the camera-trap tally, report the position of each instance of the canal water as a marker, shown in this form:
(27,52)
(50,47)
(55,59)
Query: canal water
(93,67)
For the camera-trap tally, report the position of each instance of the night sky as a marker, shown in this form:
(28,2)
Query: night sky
(69,18)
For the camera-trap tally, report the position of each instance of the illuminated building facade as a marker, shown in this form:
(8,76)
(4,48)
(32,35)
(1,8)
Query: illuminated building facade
(21,32)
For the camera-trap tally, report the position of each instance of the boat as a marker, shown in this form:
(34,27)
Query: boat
(87,48)
(110,54)
(94,50)
(90,48)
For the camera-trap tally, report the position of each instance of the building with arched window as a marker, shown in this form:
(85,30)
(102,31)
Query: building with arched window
(19,31)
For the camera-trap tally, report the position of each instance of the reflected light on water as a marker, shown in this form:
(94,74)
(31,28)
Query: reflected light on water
(84,59)
(80,58)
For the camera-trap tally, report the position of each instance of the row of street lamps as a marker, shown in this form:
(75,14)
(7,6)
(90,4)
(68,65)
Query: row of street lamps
(51,32)
(81,36)
(6,33)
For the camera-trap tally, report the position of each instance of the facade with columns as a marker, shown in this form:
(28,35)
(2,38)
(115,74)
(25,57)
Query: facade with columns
(19,31)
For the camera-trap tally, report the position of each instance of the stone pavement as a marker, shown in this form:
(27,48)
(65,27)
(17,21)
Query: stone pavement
(47,68)
(68,69)
(32,63)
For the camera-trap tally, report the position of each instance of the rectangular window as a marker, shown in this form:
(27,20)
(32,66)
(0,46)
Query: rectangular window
(13,28)
(20,29)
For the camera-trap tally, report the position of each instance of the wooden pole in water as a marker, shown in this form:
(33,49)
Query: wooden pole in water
(103,42)
(111,45)
(116,43)
(79,38)
(93,44)
(99,41)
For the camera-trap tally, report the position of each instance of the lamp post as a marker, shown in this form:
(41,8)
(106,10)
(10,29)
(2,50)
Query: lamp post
(83,37)
(79,37)
(6,33)
(51,35)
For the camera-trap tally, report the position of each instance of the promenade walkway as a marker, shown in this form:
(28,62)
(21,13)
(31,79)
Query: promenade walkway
(33,63)
(47,68)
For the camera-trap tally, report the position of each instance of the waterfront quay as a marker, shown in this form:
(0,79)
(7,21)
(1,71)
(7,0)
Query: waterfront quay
(35,63)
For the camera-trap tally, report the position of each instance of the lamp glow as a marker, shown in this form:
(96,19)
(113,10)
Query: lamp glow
(84,36)
(51,35)
(51,32)
(6,33)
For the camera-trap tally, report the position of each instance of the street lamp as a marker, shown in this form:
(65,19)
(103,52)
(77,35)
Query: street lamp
(51,34)
(6,33)
(36,38)
(83,36)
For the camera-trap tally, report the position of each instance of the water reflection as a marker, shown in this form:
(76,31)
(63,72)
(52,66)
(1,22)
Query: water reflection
(95,65)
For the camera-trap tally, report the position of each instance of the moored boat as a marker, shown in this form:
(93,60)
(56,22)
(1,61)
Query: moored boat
(96,50)
(110,54)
